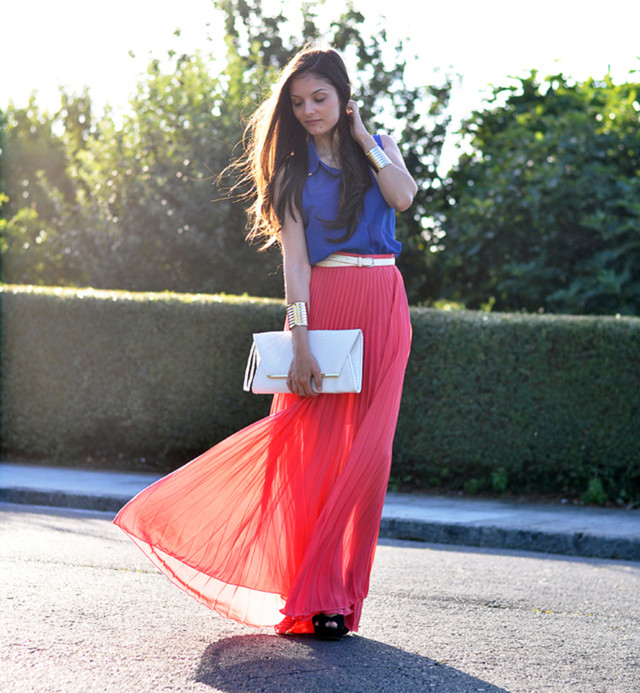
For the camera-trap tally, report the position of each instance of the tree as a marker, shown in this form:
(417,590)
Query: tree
(34,163)
(152,178)
(544,213)
(130,205)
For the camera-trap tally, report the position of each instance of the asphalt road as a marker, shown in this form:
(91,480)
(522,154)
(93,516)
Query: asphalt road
(81,609)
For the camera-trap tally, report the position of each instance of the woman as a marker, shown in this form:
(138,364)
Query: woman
(277,524)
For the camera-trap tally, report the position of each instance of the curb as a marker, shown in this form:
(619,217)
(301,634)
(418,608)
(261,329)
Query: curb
(60,499)
(456,534)
(562,543)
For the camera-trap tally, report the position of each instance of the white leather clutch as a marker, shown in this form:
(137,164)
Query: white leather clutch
(338,352)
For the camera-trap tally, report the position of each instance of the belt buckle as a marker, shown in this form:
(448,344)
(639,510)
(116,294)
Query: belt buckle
(365,261)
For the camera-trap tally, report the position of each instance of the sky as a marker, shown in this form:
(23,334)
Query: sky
(75,43)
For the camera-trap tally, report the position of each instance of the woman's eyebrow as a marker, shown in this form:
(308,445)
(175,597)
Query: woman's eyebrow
(295,96)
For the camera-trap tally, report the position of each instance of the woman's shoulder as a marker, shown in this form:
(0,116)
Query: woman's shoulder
(386,141)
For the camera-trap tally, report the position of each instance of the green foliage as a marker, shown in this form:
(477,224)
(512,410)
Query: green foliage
(492,402)
(499,480)
(595,493)
(31,150)
(501,402)
(151,178)
(130,205)
(544,212)
(139,379)
(41,241)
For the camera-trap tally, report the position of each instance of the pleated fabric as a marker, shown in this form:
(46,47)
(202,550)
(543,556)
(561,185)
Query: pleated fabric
(280,521)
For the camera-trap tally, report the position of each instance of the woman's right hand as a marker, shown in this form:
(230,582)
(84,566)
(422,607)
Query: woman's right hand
(304,378)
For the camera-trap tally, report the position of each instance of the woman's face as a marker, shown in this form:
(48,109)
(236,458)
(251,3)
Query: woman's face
(315,104)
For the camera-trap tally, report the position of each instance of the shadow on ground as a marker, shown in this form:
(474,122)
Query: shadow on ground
(253,663)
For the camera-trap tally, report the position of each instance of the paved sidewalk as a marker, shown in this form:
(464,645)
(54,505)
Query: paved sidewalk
(560,529)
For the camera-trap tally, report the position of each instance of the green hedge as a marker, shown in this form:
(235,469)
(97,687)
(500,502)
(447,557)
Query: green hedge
(149,378)
(492,402)
(522,403)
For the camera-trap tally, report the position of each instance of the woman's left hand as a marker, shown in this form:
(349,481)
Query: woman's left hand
(358,130)
(396,184)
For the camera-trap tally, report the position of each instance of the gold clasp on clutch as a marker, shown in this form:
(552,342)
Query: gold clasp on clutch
(324,375)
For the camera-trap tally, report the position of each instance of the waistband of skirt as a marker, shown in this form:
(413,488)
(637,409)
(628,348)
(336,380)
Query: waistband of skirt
(348,260)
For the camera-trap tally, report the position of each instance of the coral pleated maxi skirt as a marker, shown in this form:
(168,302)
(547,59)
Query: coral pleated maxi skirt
(280,521)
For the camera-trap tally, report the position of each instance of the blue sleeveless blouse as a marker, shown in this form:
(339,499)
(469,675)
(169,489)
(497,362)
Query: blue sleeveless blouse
(375,233)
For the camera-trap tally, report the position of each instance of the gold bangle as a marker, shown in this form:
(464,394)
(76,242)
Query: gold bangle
(378,159)
(297,314)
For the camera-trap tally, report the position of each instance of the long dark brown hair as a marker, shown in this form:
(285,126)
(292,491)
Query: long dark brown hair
(276,149)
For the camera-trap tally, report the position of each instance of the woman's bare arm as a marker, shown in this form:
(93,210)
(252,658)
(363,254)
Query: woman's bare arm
(395,182)
(297,276)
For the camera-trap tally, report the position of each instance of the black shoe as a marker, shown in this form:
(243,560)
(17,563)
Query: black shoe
(323,631)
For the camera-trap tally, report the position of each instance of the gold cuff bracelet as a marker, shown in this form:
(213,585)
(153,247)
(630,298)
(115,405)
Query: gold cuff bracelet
(378,159)
(297,314)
